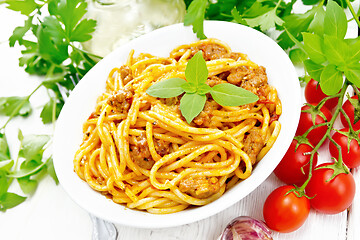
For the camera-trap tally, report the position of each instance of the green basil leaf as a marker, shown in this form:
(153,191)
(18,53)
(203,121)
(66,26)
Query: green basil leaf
(335,22)
(168,88)
(196,71)
(331,80)
(314,69)
(352,73)
(312,45)
(27,185)
(336,50)
(10,200)
(203,89)
(189,87)
(297,55)
(191,104)
(227,94)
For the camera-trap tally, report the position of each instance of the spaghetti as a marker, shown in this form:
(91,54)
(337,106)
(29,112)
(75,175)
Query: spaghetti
(138,150)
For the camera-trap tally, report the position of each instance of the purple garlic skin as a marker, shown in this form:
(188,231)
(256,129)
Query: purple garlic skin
(246,228)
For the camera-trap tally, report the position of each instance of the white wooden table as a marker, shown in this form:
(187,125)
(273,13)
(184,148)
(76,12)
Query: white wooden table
(51,214)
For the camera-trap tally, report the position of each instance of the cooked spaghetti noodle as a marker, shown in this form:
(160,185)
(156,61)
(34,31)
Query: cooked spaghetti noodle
(138,150)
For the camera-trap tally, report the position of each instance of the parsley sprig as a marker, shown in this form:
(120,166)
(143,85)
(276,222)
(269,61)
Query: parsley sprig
(50,40)
(195,89)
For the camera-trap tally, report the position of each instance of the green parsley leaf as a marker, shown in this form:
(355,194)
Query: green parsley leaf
(4,184)
(266,21)
(69,12)
(295,24)
(9,200)
(50,48)
(313,47)
(6,165)
(15,105)
(335,22)
(314,69)
(195,16)
(331,80)
(191,104)
(27,185)
(51,170)
(310,2)
(167,88)
(196,71)
(4,148)
(83,30)
(46,114)
(24,7)
(32,147)
(19,32)
(227,94)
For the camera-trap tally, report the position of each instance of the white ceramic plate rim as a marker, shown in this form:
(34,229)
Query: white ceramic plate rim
(68,133)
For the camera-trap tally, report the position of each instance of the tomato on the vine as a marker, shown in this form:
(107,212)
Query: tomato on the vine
(294,166)
(306,122)
(330,196)
(284,211)
(314,94)
(350,111)
(350,153)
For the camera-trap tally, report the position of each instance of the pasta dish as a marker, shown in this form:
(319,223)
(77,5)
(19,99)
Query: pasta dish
(138,150)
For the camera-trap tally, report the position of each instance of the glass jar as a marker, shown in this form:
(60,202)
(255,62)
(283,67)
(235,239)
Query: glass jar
(119,21)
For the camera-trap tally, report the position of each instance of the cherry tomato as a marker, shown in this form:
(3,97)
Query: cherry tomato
(332,196)
(306,122)
(314,94)
(285,212)
(351,155)
(289,169)
(349,110)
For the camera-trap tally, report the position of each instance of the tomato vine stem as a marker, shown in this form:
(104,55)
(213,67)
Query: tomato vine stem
(327,134)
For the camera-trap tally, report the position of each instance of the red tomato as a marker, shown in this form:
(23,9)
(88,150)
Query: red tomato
(351,155)
(314,94)
(349,110)
(285,212)
(333,196)
(289,169)
(306,122)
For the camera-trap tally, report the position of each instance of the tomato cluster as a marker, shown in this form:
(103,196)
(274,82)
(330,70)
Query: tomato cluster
(330,188)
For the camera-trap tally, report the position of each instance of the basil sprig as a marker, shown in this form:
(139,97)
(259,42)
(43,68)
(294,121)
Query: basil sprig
(195,89)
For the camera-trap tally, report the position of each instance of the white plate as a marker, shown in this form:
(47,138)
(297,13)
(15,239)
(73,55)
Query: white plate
(68,133)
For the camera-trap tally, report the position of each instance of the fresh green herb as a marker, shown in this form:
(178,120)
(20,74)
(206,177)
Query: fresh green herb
(51,40)
(195,88)
(31,169)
